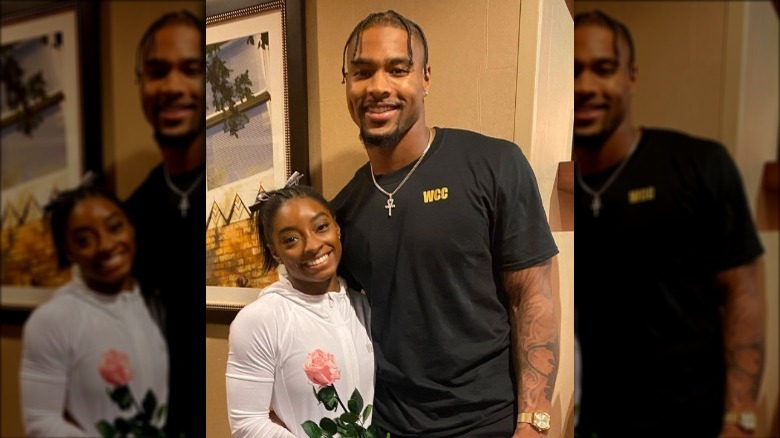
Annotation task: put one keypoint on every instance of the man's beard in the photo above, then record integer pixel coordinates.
(382, 141)
(597, 139)
(180, 141)
(592, 141)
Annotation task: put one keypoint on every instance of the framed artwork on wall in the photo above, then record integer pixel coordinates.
(256, 134)
(42, 114)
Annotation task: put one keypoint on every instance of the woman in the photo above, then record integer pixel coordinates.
(305, 332)
(94, 361)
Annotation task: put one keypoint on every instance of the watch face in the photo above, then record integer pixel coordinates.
(747, 421)
(541, 420)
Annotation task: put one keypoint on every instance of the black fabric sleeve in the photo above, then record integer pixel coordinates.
(735, 240)
(522, 236)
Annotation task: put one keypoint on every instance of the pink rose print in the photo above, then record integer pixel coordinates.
(115, 368)
(320, 368)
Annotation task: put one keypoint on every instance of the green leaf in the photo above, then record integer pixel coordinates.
(350, 431)
(349, 418)
(311, 429)
(373, 432)
(367, 412)
(138, 430)
(341, 427)
(106, 429)
(122, 397)
(355, 403)
(161, 412)
(328, 426)
(150, 402)
(122, 425)
(328, 397)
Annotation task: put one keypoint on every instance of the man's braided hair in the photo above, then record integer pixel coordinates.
(388, 18)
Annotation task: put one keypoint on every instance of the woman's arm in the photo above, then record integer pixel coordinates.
(43, 380)
(250, 377)
(248, 407)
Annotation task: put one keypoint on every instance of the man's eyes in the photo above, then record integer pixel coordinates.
(161, 71)
(193, 69)
(394, 71)
(604, 70)
(156, 72)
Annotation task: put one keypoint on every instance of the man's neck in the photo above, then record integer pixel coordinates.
(408, 149)
(178, 160)
(597, 157)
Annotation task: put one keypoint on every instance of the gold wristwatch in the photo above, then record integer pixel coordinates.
(746, 420)
(540, 420)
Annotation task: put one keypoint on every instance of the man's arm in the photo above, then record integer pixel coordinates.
(743, 338)
(535, 339)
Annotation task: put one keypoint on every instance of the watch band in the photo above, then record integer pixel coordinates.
(539, 420)
(525, 417)
(746, 420)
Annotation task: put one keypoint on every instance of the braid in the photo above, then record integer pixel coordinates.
(618, 29)
(388, 18)
(356, 33)
(179, 18)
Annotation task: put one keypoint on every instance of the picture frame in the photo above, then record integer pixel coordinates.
(256, 133)
(46, 146)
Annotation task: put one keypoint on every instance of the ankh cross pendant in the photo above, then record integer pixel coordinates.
(595, 205)
(390, 206)
(184, 205)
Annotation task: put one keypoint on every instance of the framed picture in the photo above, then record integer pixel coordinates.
(42, 114)
(256, 134)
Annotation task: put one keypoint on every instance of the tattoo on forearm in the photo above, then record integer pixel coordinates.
(537, 345)
(543, 361)
(745, 365)
(743, 335)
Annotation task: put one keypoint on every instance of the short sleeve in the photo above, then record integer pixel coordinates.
(734, 237)
(522, 236)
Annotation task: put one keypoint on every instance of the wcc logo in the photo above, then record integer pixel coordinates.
(434, 195)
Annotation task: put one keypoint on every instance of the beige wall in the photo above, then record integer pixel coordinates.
(713, 72)
(475, 84)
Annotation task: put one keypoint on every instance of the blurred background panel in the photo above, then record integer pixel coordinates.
(115, 138)
(711, 69)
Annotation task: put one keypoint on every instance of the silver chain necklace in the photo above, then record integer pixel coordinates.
(390, 205)
(184, 201)
(595, 204)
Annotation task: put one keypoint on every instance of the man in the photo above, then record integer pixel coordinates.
(445, 231)
(665, 236)
(167, 208)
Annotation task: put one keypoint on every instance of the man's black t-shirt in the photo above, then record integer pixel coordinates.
(432, 274)
(648, 314)
(170, 263)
